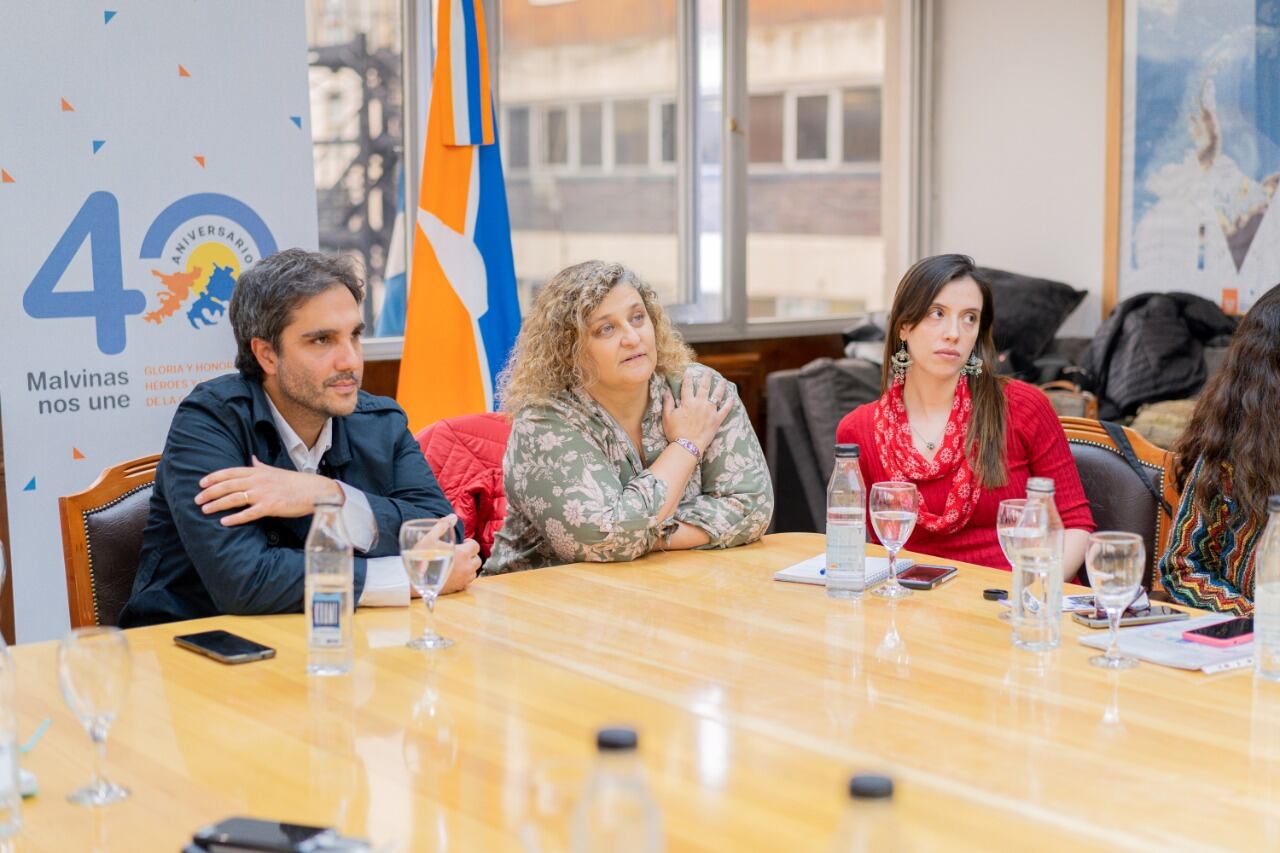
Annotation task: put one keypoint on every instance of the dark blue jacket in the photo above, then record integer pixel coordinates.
(191, 566)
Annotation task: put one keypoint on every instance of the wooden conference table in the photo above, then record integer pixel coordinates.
(755, 700)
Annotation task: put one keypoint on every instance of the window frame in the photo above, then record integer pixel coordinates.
(911, 39)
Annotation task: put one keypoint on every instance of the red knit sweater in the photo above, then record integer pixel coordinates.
(1037, 447)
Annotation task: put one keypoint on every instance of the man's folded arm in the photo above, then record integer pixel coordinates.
(415, 494)
(244, 573)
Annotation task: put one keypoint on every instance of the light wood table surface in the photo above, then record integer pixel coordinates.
(755, 700)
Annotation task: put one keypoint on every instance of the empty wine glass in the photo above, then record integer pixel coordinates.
(893, 515)
(94, 670)
(426, 548)
(1008, 517)
(1114, 562)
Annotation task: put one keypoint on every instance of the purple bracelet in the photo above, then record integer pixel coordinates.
(689, 446)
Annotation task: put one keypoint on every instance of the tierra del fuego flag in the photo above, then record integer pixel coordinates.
(463, 314)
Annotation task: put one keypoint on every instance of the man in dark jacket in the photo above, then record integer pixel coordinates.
(248, 455)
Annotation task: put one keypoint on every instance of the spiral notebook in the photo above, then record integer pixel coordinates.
(813, 570)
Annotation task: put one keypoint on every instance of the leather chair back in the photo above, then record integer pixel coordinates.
(1117, 498)
(102, 538)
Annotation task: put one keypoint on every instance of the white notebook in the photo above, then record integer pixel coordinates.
(813, 570)
(1163, 644)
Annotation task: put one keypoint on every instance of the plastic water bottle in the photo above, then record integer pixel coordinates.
(846, 526)
(1036, 605)
(617, 812)
(1266, 597)
(869, 824)
(10, 792)
(329, 597)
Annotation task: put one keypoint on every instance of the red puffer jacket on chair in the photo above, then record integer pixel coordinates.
(465, 454)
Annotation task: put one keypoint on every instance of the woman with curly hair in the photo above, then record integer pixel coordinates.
(1228, 464)
(619, 444)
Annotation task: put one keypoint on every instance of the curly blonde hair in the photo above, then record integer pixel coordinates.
(547, 357)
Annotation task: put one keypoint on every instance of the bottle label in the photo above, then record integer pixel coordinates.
(326, 619)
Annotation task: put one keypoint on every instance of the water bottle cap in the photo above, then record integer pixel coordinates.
(850, 450)
(616, 739)
(1273, 503)
(1040, 484)
(870, 786)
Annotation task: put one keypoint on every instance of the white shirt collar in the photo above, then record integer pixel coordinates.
(306, 460)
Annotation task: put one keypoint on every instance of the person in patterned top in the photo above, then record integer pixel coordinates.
(620, 445)
(1228, 464)
(967, 438)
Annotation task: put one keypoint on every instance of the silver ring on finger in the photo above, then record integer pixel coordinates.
(244, 496)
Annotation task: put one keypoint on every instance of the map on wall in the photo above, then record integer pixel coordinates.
(1201, 156)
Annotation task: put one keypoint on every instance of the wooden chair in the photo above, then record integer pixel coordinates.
(1118, 500)
(102, 537)
(1069, 400)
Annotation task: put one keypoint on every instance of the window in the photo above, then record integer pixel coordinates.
(555, 137)
(631, 133)
(516, 134)
(811, 127)
(590, 135)
(596, 167)
(599, 183)
(357, 98)
(669, 132)
(764, 144)
(813, 245)
(861, 109)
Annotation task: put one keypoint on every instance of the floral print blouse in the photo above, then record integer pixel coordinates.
(578, 490)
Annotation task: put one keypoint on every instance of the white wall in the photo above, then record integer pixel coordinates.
(1019, 139)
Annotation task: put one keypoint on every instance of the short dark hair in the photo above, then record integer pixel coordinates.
(266, 293)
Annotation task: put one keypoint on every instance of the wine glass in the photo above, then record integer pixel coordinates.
(426, 548)
(94, 669)
(893, 515)
(1008, 520)
(1114, 561)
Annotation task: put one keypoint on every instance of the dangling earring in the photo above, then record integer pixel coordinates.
(972, 367)
(901, 361)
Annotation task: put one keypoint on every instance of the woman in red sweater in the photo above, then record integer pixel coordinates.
(967, 438)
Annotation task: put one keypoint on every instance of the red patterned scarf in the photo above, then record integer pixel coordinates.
(903, 462)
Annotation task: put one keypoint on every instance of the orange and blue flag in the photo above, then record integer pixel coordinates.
(463, 313)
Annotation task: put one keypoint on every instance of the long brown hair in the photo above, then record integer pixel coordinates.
(985, 447)
(1237, 419)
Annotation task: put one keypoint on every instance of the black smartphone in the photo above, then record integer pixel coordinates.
(1150, 616)
(224, 646)
(246, 833)
(926, 576)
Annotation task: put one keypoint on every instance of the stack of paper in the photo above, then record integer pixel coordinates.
(1163, 644)
(813, 570)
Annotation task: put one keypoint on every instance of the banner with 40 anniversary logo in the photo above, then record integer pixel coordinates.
(149, 153)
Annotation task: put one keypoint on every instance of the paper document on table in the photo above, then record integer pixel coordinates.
(1070, 603)
(813, 570)
(1163, 644)
(385, 583)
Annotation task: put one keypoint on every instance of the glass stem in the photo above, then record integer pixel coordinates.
(430, 601)
(893, 567)
(99, 757)
(1113, 625)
